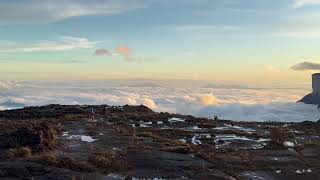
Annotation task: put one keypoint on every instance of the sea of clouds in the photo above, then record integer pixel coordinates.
(232, 103)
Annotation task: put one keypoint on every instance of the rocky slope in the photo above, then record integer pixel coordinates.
(133, 142)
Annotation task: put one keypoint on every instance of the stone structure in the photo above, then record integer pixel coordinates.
(316, 83)
(314, 97)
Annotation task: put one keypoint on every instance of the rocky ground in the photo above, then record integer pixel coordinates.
(133, 142)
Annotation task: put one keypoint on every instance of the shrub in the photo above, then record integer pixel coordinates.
(47, 158)
(108, 161)
(70, 117)
(70, 163)
(65, 162)
(22, 152)
(277, 135)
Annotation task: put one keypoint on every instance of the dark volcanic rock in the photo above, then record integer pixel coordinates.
(49, 111)
(312, 98)
(15, 170)
(37, 138)
(154, 148)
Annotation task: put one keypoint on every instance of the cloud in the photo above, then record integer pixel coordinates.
(9, 84)
(124, 51)
(233, 104)
(207, 99)
(102, 52)
(149, 103)
(288, 112)
(127, 54)
(301, 3)
(306, 66)
(46, 11)
(63, 44)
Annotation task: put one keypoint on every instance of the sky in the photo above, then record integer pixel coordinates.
(236, 41)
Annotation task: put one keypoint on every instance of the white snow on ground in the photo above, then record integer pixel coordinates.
(144, 126)
(278, 171)
(228, 126)
(88, 139)
(288, 144)
(173, 120)
(195, 128)
(255, 144)
(147, 123)
(231, 137)
(65, 133)
(303, 171)
(195, 141)
(83, 138)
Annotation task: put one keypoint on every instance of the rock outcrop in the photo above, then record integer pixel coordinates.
(312, 98)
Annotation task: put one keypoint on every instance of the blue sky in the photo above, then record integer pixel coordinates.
(225, 40)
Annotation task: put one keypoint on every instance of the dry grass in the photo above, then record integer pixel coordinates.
(22, 152)
(66, 162)
(71, 117)
(109, 161)
(277, 136)
(47, 158)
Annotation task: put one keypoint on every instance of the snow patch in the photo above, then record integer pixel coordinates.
(195, 141)
(173, 120)
(83, 138)
(288, 144)
(88, 139)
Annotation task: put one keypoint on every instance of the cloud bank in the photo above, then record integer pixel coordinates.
(306, 66)
(233, 104)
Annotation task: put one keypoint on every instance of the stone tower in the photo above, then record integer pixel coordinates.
(316, 83)
(314, 97)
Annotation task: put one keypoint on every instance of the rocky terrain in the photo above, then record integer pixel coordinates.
(133, 142)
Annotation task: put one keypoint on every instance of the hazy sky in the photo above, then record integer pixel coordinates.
(252, 41)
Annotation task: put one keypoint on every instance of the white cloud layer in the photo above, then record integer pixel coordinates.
(63, 44)
(227, 103)
(46, 11)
